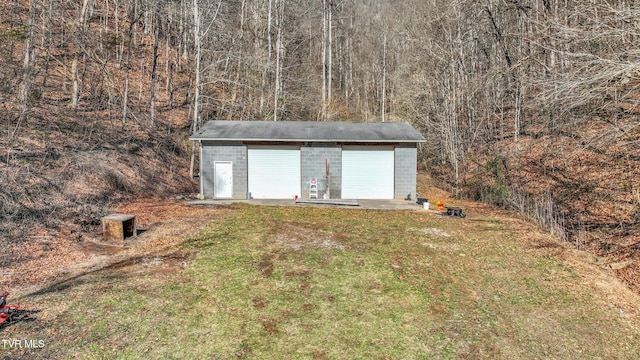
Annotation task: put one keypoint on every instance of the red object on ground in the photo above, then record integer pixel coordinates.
(6, 310)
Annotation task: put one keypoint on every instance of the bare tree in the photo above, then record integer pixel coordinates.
(325, 10)
(598, 59)
(127, 65)
(28, 57)
(280, 6)
(198, 34)
(154, 66)
(82, 24)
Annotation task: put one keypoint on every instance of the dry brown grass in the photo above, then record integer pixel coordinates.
(166, 223)
(580, 180)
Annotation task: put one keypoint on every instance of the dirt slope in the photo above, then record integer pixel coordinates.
(164, 225)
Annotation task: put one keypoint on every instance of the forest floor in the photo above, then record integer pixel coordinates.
(163, 225)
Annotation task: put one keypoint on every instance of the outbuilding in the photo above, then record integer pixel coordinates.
(307, 159)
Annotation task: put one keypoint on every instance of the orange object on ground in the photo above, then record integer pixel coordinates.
(440, 205)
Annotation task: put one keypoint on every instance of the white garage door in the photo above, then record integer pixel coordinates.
(367, 174)
(274, 173)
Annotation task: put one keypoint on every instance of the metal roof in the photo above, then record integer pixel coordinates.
(312, 131)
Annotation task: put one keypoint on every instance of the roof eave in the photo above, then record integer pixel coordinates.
(196, 138)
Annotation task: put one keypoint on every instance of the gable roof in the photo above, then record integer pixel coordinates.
(389, 132)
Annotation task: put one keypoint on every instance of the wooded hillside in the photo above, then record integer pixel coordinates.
(531, 104)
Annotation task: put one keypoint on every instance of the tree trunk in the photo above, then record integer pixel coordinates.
(329, 55)
(324, 60)
(279, 50)
(152, 86)
(82, 22)
(27, 61)
(76, 87)
(127, 66)
(196, 96)
(384, 78)
(269, 17)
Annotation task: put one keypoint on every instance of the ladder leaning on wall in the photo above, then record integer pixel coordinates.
(313, 188)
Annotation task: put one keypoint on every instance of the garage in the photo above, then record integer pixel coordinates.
(316, 160)
(273, 173)
(368, 173)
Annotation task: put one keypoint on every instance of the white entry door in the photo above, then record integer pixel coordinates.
(223, 179)
(367, 174)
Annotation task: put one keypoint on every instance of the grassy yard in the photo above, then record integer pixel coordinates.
(324, 283)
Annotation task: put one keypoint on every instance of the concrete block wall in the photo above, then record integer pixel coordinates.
(406, 160)
(234, 152)
(313, 159)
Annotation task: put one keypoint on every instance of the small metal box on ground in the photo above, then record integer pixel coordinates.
(117, 227)
(455, 211)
